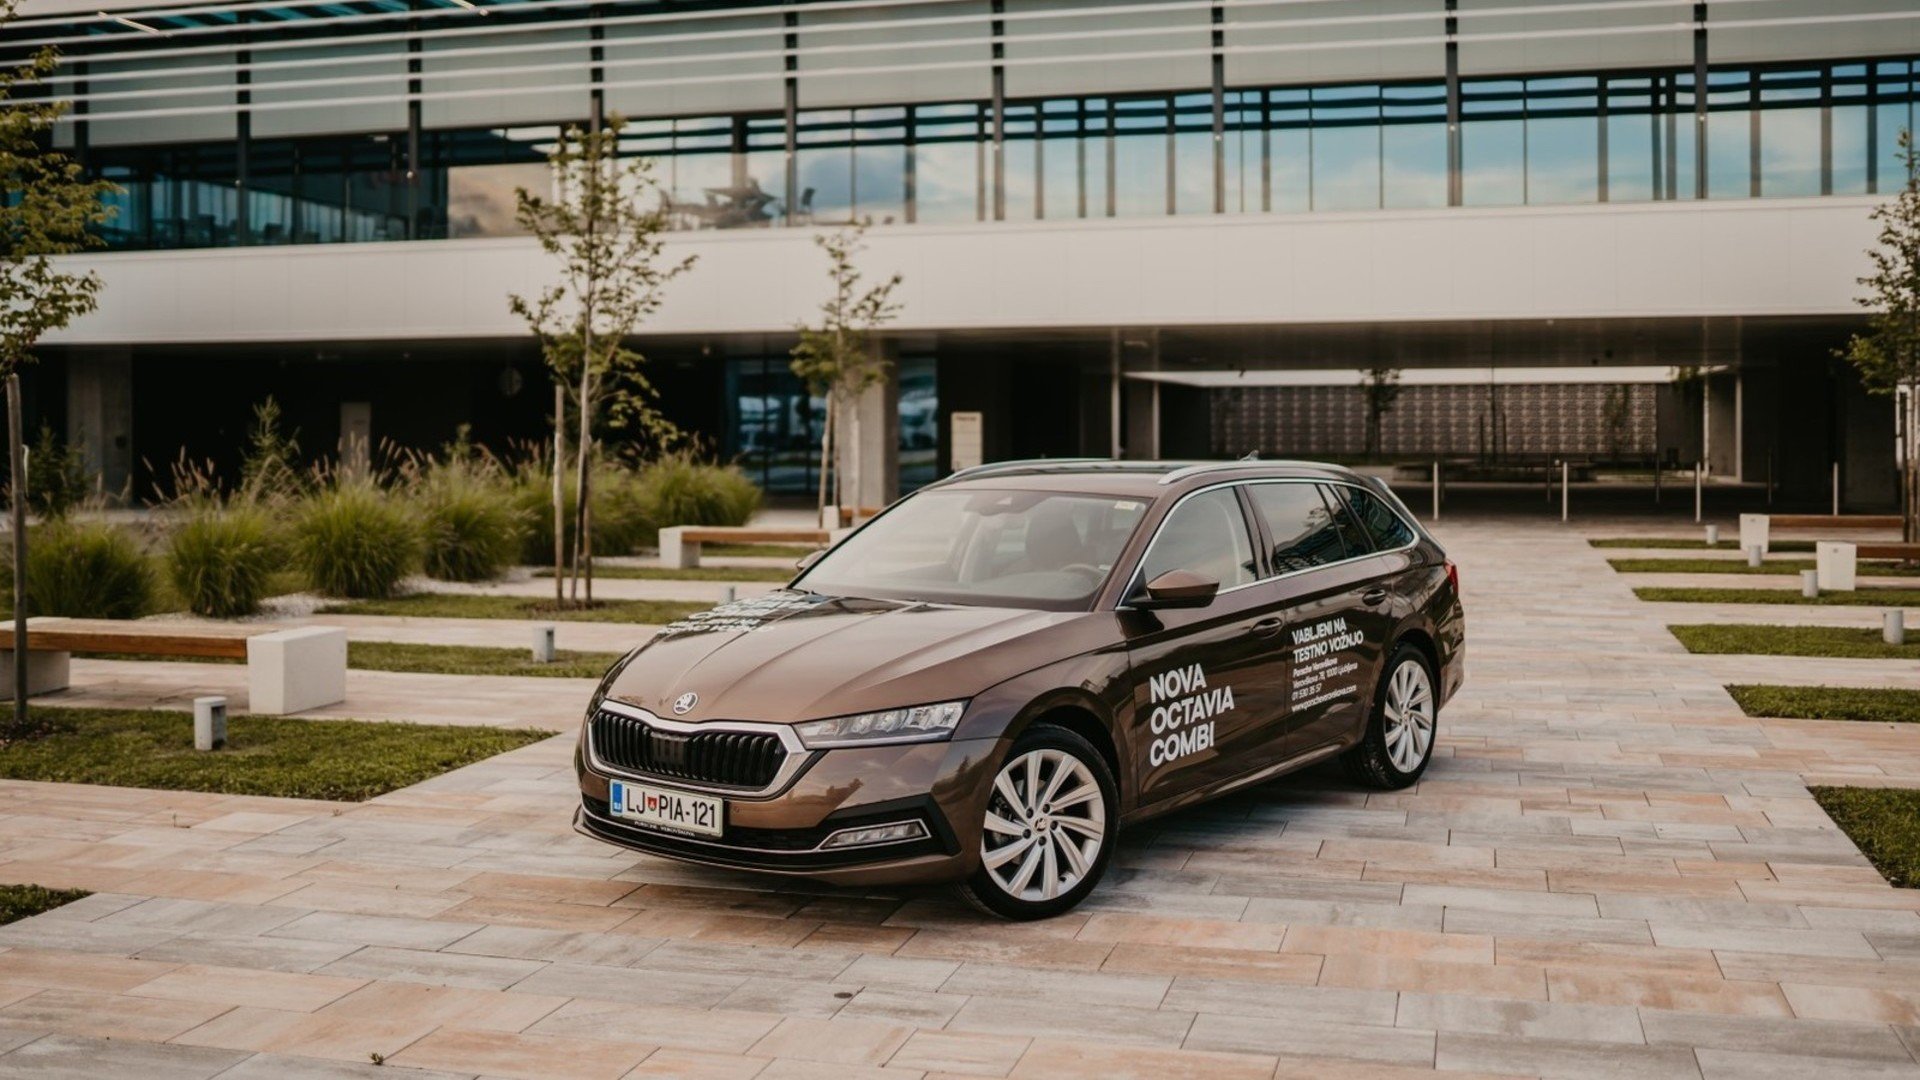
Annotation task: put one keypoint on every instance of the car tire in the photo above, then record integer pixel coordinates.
(1403, 725)
(1039, 859)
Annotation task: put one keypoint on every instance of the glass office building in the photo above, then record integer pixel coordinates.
(236, 130)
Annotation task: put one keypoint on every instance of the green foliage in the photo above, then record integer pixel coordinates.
(1884, 823)
(1380, 390)
(1875, 705)
(1833, 641)
(25, 901)
(270, 468)
(353, 539)
(88, 571)
(474, 660)
(680, 490)
(618, 528)
(1865, 597)
(837, 358)
(458, 606)
(265, 755)
(222, 559)
(57, 476)
(471, 526)
(766, 574)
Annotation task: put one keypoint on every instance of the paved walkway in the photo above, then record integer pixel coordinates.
(1609, 872)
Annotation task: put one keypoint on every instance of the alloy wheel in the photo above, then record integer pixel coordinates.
(1409, 715)
(1046, 821)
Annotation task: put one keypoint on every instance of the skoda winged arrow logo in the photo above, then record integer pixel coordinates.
(684, 704)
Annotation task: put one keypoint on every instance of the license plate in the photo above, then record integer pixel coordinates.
(664, 809)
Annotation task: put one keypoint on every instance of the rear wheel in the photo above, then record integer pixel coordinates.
(1049, 826)
(1400, 732)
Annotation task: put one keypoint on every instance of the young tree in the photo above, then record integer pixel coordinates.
(836, 359)
(49, 210)
(1887, 356)
(1381, 388)
(603, 222)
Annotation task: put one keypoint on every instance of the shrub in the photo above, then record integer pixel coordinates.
(88, 571)
(57, 476)
(620, 524)
(680, 490)
(352, 540)
(222, 559)
(471, 523)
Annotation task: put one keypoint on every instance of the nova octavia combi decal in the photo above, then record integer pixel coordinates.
(987, 682)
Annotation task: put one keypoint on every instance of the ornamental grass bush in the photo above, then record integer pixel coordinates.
(353, 539)
(680, 489)
(86, 570)
(472, 525)
(620, 524)
(222, 558)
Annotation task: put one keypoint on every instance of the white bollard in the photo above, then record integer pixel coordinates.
(1564, 484)
(729, 594)
(1755, 556)
(1810, 583)
(1436, 489)
(543, 650)
(209, 723)
(1893, 627)
(1699, 492)
(1836, 489)
(1837, 564)
(1713, 536)
(1756, 530)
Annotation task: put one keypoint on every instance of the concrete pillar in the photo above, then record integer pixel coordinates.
(868, 446)
(1723, 425)
(100, 414)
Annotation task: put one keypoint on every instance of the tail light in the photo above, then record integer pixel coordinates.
(1453, 576)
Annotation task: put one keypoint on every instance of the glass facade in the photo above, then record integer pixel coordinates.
(1567, 138)
(774, 426)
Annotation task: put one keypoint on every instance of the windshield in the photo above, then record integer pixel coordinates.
(1026, 549)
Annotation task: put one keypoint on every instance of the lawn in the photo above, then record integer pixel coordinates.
(25, 901)
(1876, 705)
(1755, 640)
(1661, 543)
(1739, 566)
(1884, 822)
(467, 606)
(347, 760)
(1901, 598)
(473, 660)
(693, 573)
(771, 551)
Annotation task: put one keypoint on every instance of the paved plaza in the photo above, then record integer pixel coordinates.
(1609, 871)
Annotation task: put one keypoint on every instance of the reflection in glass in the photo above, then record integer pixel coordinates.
(1894, 87)
(1493, 143)
(1413, 145)
(1729, 135)
(1346, 148)
(1140, 157)
(1563, 141)
(949, 154)
(1790, 122)
(1193, 154)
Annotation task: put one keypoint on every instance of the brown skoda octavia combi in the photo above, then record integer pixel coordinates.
(985, 682)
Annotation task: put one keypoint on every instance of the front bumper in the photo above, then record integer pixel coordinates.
(943, 785)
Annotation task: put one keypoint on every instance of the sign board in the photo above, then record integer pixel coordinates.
(965, 439)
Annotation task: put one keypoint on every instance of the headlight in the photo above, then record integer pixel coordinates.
(917, 723)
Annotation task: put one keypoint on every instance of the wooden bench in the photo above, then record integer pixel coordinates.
(680, 544)
(288, 671)
(1903, 552)
(1833, 521)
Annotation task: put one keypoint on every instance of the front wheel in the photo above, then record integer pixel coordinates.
(1048, 830)
(1400, 731)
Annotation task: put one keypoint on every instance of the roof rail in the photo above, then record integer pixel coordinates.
(1242, 463)
(1021, 463)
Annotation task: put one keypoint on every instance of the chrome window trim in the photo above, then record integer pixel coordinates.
(797, 753)
(1133, 579)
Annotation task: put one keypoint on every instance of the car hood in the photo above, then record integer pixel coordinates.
(793, 656)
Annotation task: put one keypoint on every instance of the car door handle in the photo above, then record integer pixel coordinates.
(1268, 627)
(1373, 597)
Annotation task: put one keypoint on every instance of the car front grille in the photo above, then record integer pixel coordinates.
(735, 759)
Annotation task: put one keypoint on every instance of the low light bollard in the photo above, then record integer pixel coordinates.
(1810, 583)
(1893, 627)
(210, 723)
(543, 651)
(1713, 536)
(728, 594)
(1755, 556)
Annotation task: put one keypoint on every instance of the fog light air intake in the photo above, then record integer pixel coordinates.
(869, 835)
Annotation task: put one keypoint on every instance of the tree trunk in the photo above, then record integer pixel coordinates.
(850, 492)
(559, 493)
(583, 540)
(826, 463)
(16, 490)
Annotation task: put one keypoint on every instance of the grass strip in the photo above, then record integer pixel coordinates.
(693, 573)
(1884, 823)
(469, 606)
(1657, 543)
(25, 901)
(1844, 642)
(1782, 567)
(1900, 598)
(1867, 705)
(349, 760)
(473, 660)
(771, 551)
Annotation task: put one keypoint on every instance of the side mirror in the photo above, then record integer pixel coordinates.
(1177, 589)
(808, 559)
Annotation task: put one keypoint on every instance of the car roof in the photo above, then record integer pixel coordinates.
(1136, 479)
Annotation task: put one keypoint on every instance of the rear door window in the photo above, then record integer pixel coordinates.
(1303, 526)
(1347, 524)
(1387, 528)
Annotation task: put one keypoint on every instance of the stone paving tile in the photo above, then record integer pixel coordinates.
(246, 986)
(1561, 1058)
(73, 1057)
(1310, 1037)
(968, 1053)
(529, 1057)
(432, 968)
(1057, 1058)
(1716, 1064)
(288, 1067)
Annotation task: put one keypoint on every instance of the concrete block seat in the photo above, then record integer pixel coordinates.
(680, 544)
(288, 671)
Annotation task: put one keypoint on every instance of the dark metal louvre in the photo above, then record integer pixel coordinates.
(742, 759)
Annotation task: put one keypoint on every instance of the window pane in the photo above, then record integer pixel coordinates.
(1346, 148)
(1302, 527)
(1790, 133)
(1386, 528)
(1140, 175)
(1193, 154)
(1413, 145)
(1493, 143)
(948, 163)
(1563, 141)
(1729, 136)
(1020, 163)
(1207, 534)
(1289, 153)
